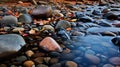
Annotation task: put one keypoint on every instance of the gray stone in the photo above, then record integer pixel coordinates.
(63, 24)
(90, 52)
(21, 59)
(108, 65)
(10, 43)
(41, 65)
(115, 60)
(9, 20)
(25, 18)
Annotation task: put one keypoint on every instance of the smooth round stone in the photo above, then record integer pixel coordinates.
(49, 44)
(77, 52)
(47, 59)
(63, 24)
(71, 64)
(57, 65)
(29, 53)
(90, 52)
(86, 19)
(110, 16)
(41, 65)
(78, 60)
(48, 27)
(115, 60)
(69, 56)
(66, 51)
(13, 66)
(17, 29)
(29, 63)
(77, 33)
(54, 60)
(92, 58)
(9, 20)
(39, 60)
(25, 18)
(21, 58)
(10, 43)
(42, 12)
(92, 66)
(108, 65)
(54, 54)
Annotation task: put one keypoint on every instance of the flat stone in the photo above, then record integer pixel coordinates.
(71, 64)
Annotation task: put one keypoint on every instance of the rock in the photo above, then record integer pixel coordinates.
(54, 60)
(63, 24)
(41, 65)
(25, 18)
(90, 52)
(92, 58)
(116, 41)
(42, 12)
(3, 65)
(49, 44)
(13, 66)
(78, 60)
(77, 33)
(29, 53)
(110, 16)
(57, 65)
(9, 20)
(17, 29)
(48, 27)
(96, 12)
(54, 54)
(106, 10)
(39, 60)
(71, 64)
(10, 43)
(40, 54)
(108, 65)
(77, 52)
(115, 60)
(47, 59)
(69, 56)
(66, 51)
(85, 19)
(21, 59)
(92, 66)
(28, 63)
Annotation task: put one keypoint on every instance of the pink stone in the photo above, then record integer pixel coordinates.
(49, 44)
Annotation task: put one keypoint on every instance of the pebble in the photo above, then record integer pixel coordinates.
(29, 63)
(57, 65)
(21, 59)
(49, 44)
(25, 18)
(115, 60)
(54, 60)
(108, 65)
(90, 52)
(92, 58)
(41, 65)
(9, 20)
(47, 59)
(29, 53)
(71, 64)
(39, 60)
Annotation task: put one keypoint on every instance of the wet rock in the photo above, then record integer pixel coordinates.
(29, 53)
(39, 60)
(92, 58)
(110, 16)
(10, 43)
(116, 41)
(48, 27)
(77, 52)
(92, 66)
(54, 54)
(115, 60)
(108, 65)
(106, 10)
(57, 65)
(17, 29)
(69, 56)
(9, 20)
(21, 59)
(49, 44)
(78, 60)
(54, 60)
(96, 12)
(25, 18)
(91, 52)
(77, 33)
(40, 54)
(71, 64)
(41, 12)
(63, 24)
(85, 19)
(13, 66)
(66, 51)
(41, 65)
(28, 63)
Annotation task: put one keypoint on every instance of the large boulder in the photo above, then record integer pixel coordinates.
(10, 43)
